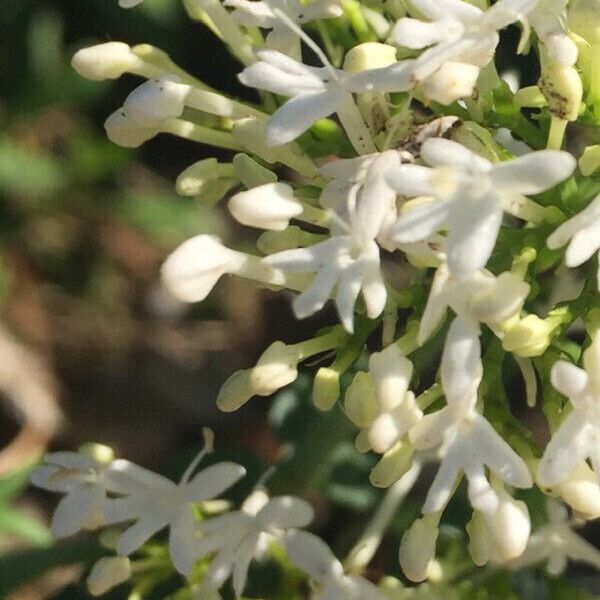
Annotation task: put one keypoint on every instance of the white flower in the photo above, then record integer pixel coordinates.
(548, 20)
(129, 3)
(471, 195)
(316, 92)
(417, 548)
(582, 232)
(83, 482)
(311, 554)
(481, 298)
(259, 13)
(238, 537)
(467, 442)
(556, 543)
(156, 502)
(349, 260)
(390, 410)
(269, 206)
(461, 39)
(578, 437)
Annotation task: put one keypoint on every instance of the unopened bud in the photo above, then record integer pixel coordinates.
(105, 61)
(108, 573)
(581, 491)
(391, 372)
(370, 55)
(562, 87)
(124, 132)
(394, 464)
(528, 337)
(326, 388)
(276, 368)
(269, 206)
(193, 269)
(202, 175)
(360, 402)
(235, 392)
(417, 548)
(452, 81)
(589, 163)
(251, 173)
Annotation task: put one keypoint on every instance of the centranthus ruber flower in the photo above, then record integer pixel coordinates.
(578, 437)
(469, 197)
(582, 233)
(460, 39)
(260, 13)
(349, 260)
(466, 440)
(156, 502)
(312, 555)
(236, 538)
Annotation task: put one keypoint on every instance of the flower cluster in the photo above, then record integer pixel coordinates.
(406, 152)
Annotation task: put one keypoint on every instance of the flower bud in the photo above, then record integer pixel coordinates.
(129, 3)
(452, 81)
(197, 178)
(581, 491)
(393, 465)
(271, 242)
(326, 388)
(360, 402)
(235, 392)
(370, 55)
(528, 337)
(103, 455)
(105, 61)
(193, 269)
(276, 368)
(479, 540)
(584, 20)
(157, 100)
(108, 573)
(269, 206)
(417, 548)
(562, 87)
(508, 527)
(252, 173)
(589, 163)
(391, 372)
(124, 132)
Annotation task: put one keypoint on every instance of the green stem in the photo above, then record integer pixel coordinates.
(200, 134)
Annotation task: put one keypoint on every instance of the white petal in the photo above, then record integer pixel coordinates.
(443, 484)
(583, 245)
(493, 451)
(568, 379)
(156, 100)
(502, 300)
(258, 14)
(442, 10)
(439, 152)
(474, 228)
(533, 173)
(316, 295)
(412, 180)
(431, 430)
(213, 481)
(117, 510)
(244, 556)
(461, 368)
(182, 542)
(481, 495)
(298, 114)
(74, 510)
(437, 56)
(412, 33)
(348, 288)
(321, 9)
(437, 305)
(70, 460)
(312, 555)
(373, 290)
(45, 477)
(590, 215)
(569, 446)
(220, 568)
(284, 40)
(420, 222)
(284, 512)
(452, 81)
(137, 535)
(505, 12)
(124, 477)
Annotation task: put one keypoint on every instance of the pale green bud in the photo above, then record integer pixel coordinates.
(589, 163)
(563, 89)
(528, 337)
(276, 368)
(361, 402)
(235, 392)
(393, 465)
(101, 454)
(417, 548)
(106, 61)
(581, 491)
(370, 55)
(108, 573)
(326, 388)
